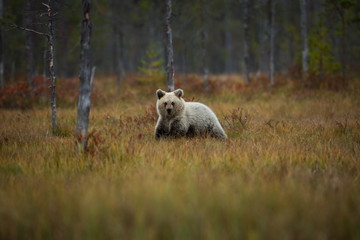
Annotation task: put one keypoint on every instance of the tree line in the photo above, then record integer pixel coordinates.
(218, 36)
(209, 37)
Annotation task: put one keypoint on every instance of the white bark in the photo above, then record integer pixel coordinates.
(50, 36)
(169, 48)
(203, 45)
(86, 76)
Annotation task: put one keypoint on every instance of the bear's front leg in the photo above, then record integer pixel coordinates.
(161, 130)
(177, 129)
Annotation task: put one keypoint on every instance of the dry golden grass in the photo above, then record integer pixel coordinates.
(290, 170)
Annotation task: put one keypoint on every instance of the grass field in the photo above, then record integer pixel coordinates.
(290, 169)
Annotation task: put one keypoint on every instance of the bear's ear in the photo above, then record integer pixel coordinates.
(179, 93)
(160, 93)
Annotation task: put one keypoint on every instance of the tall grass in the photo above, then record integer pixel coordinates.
(290, 170)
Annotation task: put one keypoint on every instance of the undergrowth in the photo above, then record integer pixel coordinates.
(289, 170)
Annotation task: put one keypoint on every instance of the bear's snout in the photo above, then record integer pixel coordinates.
(168, 110)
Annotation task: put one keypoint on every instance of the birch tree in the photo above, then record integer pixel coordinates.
(169, 48)
(50, 37)
(246, 40)
(304, 36)
(85, 76)
(203, 44)
(50, 40)
(228, 38)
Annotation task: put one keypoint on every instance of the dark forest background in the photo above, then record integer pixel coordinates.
(128, 36)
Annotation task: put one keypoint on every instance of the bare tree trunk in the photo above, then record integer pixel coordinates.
(50, 37)
(228, 39)
(203, 46)
(85, 76)
(246, 41)
(2, 81)
(204, 59)
(169, 48)
(118, 41)
(304, 36)
(272, 41)
(30, 43)
(119, 48)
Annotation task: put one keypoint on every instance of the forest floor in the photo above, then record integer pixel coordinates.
(289, 170)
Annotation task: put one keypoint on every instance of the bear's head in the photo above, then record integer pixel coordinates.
(170, 104)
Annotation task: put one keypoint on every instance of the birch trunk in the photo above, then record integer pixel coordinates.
(85, 76)
(204, 59)
(304, 36)
(272, 41)
(246, 41)
(119, 48)
(169, 48)
(203, 46)
(228, 39)
(50, 37)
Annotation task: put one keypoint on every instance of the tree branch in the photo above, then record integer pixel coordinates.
(30, 30)
(46, 5)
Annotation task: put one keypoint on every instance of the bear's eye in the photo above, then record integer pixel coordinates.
(172, 103)
(164, 104)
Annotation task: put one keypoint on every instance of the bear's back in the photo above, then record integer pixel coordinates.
(200, 115)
